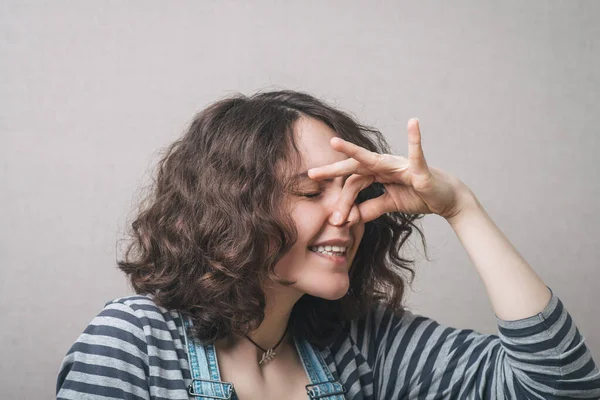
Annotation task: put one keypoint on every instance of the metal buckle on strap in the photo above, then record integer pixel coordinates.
(325, 389)
(228, 389)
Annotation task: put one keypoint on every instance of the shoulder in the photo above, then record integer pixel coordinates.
(382, 317)
(137, 302)
(132, 324)
(139, 315)
(128, 342)
(366, 333)
(124, 352)
(140, 310)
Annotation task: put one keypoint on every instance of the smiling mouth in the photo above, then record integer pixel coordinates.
(336, 256)
(330, 250)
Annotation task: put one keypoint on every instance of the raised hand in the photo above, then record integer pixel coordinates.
(411, 186)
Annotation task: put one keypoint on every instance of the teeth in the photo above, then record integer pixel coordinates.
(329, 249)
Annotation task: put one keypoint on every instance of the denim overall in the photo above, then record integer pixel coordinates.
(207, 384)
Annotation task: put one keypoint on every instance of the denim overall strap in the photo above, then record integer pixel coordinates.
(206, 381)
(322, 384)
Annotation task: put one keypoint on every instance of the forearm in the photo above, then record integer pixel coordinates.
(513, 287)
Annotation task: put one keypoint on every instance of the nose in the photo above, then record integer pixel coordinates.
(353, 217)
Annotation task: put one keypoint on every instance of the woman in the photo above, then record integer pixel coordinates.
(274, 234)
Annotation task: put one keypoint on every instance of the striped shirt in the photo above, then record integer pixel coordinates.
(134, 349)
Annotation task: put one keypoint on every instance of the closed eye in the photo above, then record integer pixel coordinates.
(312, 195)
(359, 198)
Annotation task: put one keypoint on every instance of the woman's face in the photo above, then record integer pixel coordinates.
(317, 274)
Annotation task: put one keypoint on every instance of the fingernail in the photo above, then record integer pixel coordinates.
(337, 217)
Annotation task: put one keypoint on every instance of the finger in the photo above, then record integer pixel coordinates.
(368, 158)
(373, 208)
(341, 168)
(352, 187)
(354, 216)
(416, 158)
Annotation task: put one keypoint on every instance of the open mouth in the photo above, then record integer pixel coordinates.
(337, 251)
(334, 254)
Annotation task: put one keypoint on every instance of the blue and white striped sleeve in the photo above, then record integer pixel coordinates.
(108, 360)
(540, 357)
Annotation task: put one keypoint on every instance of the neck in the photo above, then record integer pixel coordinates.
(279, 303)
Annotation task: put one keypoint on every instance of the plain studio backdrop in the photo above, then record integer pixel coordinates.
(507, 95)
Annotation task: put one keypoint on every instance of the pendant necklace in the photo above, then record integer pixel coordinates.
(268, 354)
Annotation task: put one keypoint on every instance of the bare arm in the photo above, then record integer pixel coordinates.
(514, 289)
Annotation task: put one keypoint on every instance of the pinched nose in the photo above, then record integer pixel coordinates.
(353, 217)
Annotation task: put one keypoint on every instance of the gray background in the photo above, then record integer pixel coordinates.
(507, 95)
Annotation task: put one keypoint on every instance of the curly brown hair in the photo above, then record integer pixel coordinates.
(215, 223)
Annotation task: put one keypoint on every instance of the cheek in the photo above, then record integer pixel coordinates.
(309, 220)
(358, 230)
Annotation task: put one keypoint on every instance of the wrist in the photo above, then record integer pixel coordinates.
(466, 204)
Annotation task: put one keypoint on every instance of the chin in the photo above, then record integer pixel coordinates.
(332, 296)
(333, 291)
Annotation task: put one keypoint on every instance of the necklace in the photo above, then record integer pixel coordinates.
(268, 354)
